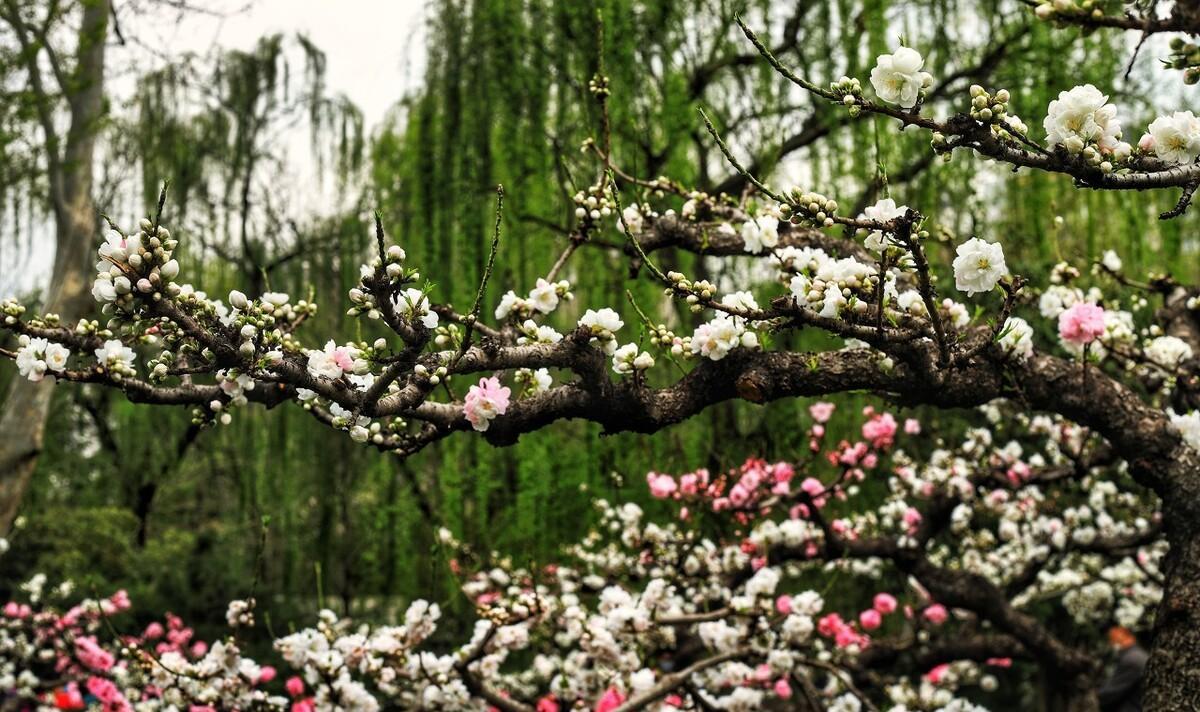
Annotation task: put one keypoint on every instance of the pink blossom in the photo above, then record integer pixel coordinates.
(547, 704)
(154, 631)
(936, 614)
(847, 636)
(829, 624)
(305, 705)
(689, 483)
(294, 686)
(266, 674)
(1000, 662)
(912, 426)
(1082, 323)
(199, 648)
(821, 411)
(783, 604)
(108, 694)
(880, 430)
(912, 519)
(935, 675)
(885, 603)
(92, 655)
(870, 619)
(812, 486)
(484, 402)
(661, 486)
(610, 700)
(782, 688)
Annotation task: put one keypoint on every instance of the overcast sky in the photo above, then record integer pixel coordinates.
(373, 46)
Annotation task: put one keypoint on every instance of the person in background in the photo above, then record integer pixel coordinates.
(1122, 692)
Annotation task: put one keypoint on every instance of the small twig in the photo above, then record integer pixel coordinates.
(469, 321)
(738, 166)
(1185, 199)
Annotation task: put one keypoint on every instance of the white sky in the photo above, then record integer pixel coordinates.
(374, 47)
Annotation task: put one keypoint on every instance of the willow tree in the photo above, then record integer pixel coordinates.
(505, 100)
(220, 127)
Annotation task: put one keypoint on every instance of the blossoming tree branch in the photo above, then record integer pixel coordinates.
(976, 535)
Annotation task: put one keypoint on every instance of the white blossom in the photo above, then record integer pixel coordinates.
(898, 78)
(1175, 138)
(37, 356)
(883, 211)
(1017, 337)
(759, 233)
(1080, 117)
(979, 266)
(1168, 351)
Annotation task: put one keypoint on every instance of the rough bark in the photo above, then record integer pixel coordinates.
(23, 420)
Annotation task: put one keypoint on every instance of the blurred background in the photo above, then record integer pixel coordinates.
(280, 126)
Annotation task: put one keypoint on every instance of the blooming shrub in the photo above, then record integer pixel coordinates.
(720, 603)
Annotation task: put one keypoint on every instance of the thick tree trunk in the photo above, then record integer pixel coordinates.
(23, 420)
(1173, 673)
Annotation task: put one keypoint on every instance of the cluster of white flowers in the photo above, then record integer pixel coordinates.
(139, 261)
(760, 233)
(592, 204)
(596, 623)
(240, 613)
(715, 338)
(603, 326)
(1168, 352)
(629, 358)
(883, 211)
(116, 357)
(38, 356)
(825, 284)
(1174, 139)
(1082, 118)
(543, 299)
(898, 77)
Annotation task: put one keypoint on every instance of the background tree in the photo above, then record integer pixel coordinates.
(53, 86)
